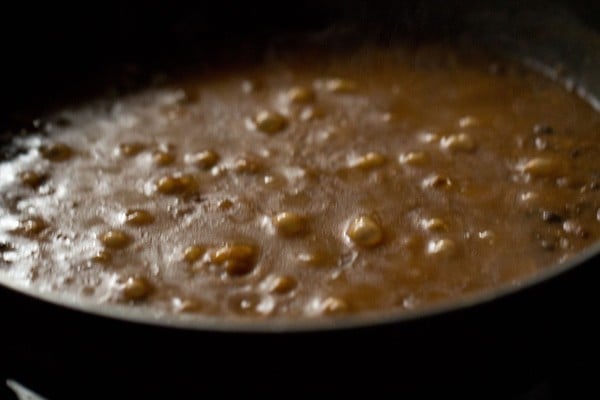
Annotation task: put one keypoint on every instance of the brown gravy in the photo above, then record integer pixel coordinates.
(307, 185)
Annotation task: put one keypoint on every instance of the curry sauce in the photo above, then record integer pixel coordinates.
(307, 185)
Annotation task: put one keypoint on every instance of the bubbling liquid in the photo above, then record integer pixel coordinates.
(302, 186)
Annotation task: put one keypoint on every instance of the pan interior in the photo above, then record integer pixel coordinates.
(348, 133)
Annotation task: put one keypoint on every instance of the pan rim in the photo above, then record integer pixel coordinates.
(153, 318)
(146, 316)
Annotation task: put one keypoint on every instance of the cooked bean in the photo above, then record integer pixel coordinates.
(102, 257)
(163, 158)
(242, 252)
(193, 253)
(340, 85)
(237, 267)
(368, 161)
(248, 164)
(187, 183)
(434, 224)
(413, 158)
(115, 239)
(131, 149)
(334, 305)
(270, 121)
(551, 217)
(300, 94)
(317, 258)
(225, 205)
(56, 152)
(176, 184)
(168, 185)
(138, 217)
(442, 246)
(31, 178)
(136, 288)
(309, 113)
(237, 259)
(437, 182)
(32, 226)
(541, 167)
(365, 231)
(458, 142)
(289, 223)
(186, 305)
(203, 159)
(282, 284)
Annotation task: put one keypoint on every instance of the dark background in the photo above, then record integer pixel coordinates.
(46, 47)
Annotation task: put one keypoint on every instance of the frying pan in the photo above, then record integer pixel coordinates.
(495, 344)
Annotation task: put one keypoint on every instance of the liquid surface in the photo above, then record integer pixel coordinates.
(306, 185)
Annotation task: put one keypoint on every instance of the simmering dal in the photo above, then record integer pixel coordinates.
(306, 184)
